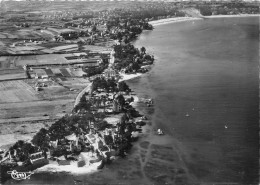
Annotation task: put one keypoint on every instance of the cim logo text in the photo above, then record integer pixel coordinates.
(20, 175)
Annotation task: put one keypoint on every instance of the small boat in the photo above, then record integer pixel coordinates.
(160, 132)
(101, 165)
(187, 115)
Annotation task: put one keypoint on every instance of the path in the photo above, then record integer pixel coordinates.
(112, 57)
(87, 89)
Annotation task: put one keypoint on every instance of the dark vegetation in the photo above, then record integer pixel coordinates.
(131, 59)
(228, 9)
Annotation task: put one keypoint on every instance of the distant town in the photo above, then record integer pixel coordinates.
(63, 68)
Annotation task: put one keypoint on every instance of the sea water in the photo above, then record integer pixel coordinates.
(205, 83)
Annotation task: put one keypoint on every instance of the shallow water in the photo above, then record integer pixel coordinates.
(205, 86)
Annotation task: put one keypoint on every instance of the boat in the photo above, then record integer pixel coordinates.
(101, 164)
(160, 132)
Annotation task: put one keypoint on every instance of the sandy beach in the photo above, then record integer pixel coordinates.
(125, 77)
(71, 169)
(172, 20)
(240, 15)
(181, 19)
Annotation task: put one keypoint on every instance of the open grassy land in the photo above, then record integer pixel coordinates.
(16, 91)
(34, 7)
(24, 110)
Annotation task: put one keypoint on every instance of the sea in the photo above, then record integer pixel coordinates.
(205, 84)
(205, 87)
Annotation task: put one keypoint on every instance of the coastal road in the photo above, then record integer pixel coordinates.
(87, 89)
(112, 57)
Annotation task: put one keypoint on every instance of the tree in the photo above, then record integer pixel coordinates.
(94, 28)
(135, 66)
(82, 105)
(205, 10)
(143, 50)
(102, 125)
(122, 86)
(149, 57)
(121, 100)
(27, 73)
(124, 118)
(80, 45)
(83, 98)
(99, 83)
(41, 139)
(111, 83)
(119, 36)
(28, 149)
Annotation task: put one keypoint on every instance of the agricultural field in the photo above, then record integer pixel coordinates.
(17, 76)
(16, 91)
(20, 103)
(95, 48)
(7, 73)
(24, 111)
(12, 62)
(75, 83)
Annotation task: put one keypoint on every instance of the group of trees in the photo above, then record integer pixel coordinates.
(125, 129)
(130, 58)
(78, 123)
(227, 9)
(122, 86)
(91, 71)
(109, 85)
(102, 83)
(23, 150)
(70, 35)
(83, 104)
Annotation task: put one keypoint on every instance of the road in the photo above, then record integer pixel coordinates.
(87, 89)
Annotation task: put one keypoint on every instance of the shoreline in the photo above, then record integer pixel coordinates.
(72, 169)
(182, 19)
(125, 77)
(172, 20)
(227, 16)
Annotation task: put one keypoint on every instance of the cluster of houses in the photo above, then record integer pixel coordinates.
(84, 148)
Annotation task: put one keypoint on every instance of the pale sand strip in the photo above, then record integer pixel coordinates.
(182, 19)
(125, 77)
(240, 15)
(172, 20)
(71, 169)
